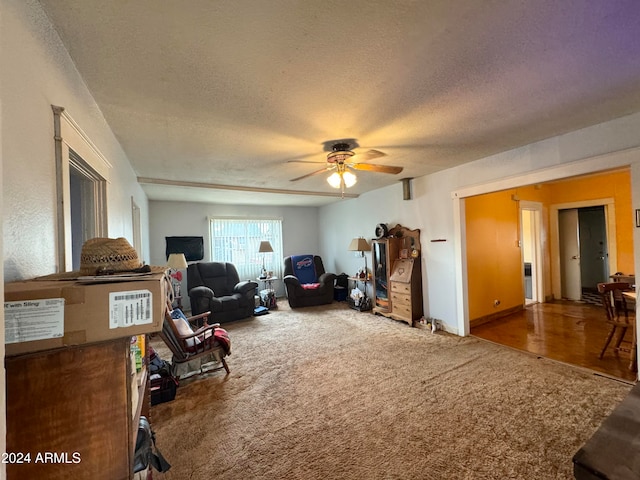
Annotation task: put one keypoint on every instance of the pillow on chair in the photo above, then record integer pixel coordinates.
(184, 328)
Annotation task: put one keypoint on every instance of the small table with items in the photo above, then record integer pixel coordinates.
(268, 293)
(363, 303)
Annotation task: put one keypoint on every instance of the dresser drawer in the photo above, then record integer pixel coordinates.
(402, 310)
(398, 299)
(401, 287)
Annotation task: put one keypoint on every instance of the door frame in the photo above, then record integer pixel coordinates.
(537, 265)
(554, 237)
(68, 136)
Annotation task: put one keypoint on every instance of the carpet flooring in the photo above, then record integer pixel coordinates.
(332, 393)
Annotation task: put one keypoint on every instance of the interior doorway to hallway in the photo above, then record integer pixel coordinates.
(585, 246)
(612, 194)
(531, 237)
(583, 251)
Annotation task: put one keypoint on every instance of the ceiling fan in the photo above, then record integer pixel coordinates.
(341, 160)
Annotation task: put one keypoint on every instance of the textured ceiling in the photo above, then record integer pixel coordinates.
(211, 93)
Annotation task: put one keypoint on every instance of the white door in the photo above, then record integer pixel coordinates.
(568, 229)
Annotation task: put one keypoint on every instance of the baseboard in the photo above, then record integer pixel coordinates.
(489, 318)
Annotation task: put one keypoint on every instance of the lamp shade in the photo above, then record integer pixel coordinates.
(177, 261)
(265, 247)
(359, 245)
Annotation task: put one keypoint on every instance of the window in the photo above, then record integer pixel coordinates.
(237, 241)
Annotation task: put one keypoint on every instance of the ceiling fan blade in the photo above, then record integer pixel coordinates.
(304, 161)
(369, 167)
(368, 155)
(322, 170)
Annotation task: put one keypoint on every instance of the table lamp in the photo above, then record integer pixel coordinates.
(265, 247)
(177, 262)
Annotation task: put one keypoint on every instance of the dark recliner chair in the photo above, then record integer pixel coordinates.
(306, 282)
(216, 287)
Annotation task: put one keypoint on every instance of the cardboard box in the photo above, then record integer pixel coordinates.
(92, 312)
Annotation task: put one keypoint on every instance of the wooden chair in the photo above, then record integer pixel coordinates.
(618, 316)
(192, 350)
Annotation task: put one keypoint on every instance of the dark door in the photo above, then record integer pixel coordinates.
(594, 256)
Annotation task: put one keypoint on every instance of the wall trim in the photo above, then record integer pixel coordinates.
(587, 165)
(494, 316)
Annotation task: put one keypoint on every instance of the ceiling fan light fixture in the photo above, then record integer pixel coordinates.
(349, 179)
(334, 180)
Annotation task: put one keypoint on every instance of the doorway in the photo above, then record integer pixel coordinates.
(583, 251)
(87, 190)
(585, 242)
(531, 234)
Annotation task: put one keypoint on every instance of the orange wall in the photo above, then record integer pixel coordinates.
(494, 270)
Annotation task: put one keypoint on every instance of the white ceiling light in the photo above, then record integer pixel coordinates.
(342, 178)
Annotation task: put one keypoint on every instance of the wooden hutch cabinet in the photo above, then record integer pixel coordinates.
(397, 275)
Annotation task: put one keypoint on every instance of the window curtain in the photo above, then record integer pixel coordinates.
(237, 240)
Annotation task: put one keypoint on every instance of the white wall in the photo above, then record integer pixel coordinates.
(166, 219)
(440, 216)
(37, 73)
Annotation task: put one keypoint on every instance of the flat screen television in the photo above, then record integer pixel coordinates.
(192, 247)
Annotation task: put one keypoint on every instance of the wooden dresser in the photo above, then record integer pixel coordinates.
(398, 275)
(406, 290)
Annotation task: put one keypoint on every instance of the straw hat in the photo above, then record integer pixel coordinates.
(108, 255)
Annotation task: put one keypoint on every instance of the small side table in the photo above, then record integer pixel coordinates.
(268, 293)
(365, 301)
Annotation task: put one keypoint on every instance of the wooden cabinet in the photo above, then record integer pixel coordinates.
(406, 290)
(397, 275)
(75, 411)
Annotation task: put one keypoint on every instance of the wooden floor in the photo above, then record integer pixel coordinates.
(570, 332)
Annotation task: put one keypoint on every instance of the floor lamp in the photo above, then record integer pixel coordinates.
(265, 247)
(360, 245)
